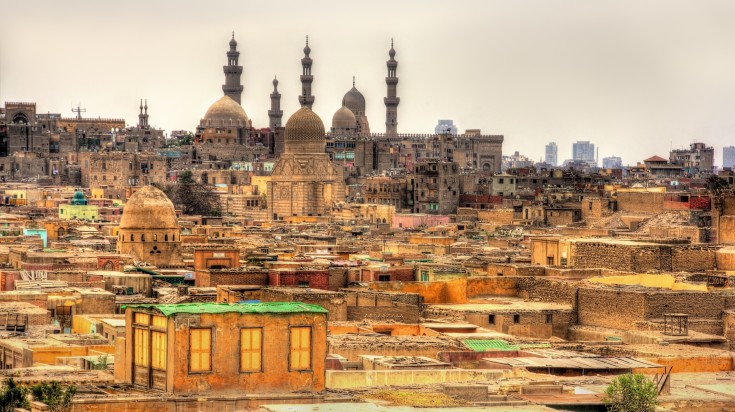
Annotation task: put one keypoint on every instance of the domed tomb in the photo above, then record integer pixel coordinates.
(344, 121)
(304, 132)
(148, 228)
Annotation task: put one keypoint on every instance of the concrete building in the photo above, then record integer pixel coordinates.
(728, 156)
(436, 187)
(445, 126)
(584, 151)
(551, 154)
(698, 159)
(612, 162)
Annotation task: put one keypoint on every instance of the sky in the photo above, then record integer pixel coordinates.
(636, 78)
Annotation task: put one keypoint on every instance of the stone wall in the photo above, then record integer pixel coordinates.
(609, 308)
(334, 302)
(392, 307)
(641, 258)
(652, 202)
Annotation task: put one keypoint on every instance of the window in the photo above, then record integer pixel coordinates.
(140, 346)
(516, 319)
(300, 353)
(491, 319)
(200, 350)
(251, 352)
(549, 318)
(158, 351)
(383, 278)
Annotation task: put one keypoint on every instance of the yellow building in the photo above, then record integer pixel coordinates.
(78, 209)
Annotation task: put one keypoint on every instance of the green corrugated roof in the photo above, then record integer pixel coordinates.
(482, 345)
(263, 307)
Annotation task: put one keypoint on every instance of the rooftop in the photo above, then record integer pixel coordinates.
(211, 308)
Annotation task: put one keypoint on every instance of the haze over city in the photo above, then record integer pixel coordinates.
(634, 78)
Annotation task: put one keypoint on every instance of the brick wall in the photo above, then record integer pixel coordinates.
(334, 302)
(643, 258)
(641, 201)
(610, 308)
(315, 279)
(212, 278)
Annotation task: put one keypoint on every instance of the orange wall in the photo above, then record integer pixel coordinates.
(450, 291)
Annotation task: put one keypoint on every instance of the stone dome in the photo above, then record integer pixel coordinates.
(344, 119)
(304, 132)
(355, 101)
(225, 112)
(149, 208)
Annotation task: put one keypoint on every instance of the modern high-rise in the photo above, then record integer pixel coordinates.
(728, 156)
(612, 162)
(584, 151)
(551, 154)
(445, 126)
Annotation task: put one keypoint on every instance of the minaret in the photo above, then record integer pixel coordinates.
(391, 102)
(143, 116)
(306, 99)
(232, 86)
(275, 113)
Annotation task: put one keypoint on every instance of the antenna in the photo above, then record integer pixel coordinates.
(78, 110)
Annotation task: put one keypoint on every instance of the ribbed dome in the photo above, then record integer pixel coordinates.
(355, 101)
(304, 132)
(344, 119)
(149, 208)
(225, 112)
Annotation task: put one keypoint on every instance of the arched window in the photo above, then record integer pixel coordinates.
(155, 237)
(142, 237)
(132, 237)
(165, 237)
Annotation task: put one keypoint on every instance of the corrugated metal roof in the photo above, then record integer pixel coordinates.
(263, 307)
(598, 363)
(483, 345)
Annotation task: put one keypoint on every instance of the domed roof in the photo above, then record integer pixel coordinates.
(148, 208)
(344, 119)
(79, 198)
(354, 100)
(304, 125)
(225, 112)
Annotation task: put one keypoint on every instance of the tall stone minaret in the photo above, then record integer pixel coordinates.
(275, 113)
(391, 101)
(232, 86)
(306, 99)
(143, 116)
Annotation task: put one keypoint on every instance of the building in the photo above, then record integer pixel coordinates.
(612, 162)
(698, 159)
(149, 230)
(436, 187)
(218, 348)
(445, 127)
(77, 208)
(584, 151)
(551, 154)
(304, 181)
(728, 156)
(503, 184)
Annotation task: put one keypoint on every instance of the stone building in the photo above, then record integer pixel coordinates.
(121, 169)
(436, 187)
(149, 230)
(304, 181)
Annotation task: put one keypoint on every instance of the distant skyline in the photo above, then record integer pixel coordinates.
(634, 78)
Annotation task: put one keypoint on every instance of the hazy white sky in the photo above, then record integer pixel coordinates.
(635, 77)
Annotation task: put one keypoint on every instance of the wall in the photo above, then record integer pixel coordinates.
(212, 278)
(609, 308)
(451, 291)
(652, 202)
(334, 302)
(376, 306)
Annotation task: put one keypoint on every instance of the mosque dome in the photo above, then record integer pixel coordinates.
(225, 112)
(304, 132)
(149, 208)
(355, 101)
(344, 119)
(79, 198)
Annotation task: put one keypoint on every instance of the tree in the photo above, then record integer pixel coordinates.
(716, 184)
(631, 393)
(195, 198)
(57, 398)
(13, 396)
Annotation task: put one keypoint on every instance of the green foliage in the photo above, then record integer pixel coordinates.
(195, 198)
(54, 395)
(13, 396)
(631, 393)
(716, 185)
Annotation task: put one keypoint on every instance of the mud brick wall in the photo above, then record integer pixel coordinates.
(548, 290)
(335, 303)
(641, 202)
(38, 299)
(96, 303)
(389, 307)
(601, 255)
(316, 279)
(610, 308)
(693, 258)
(695, 304)
(337, 278)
